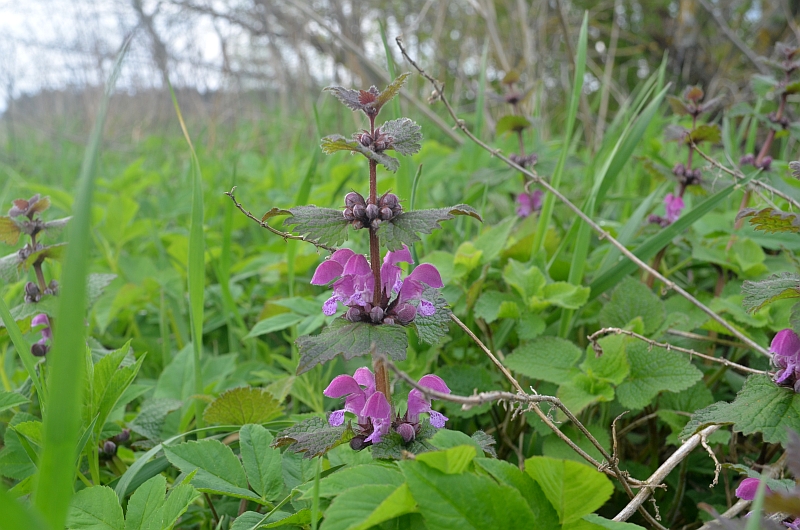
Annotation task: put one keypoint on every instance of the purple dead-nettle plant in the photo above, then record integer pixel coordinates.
(785, 348)
(378, 302)
(42, 346)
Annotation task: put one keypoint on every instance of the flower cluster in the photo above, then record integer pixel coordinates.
(362, 213)
(673, 205)
(354, 287)
(785, 348)
(42, 346)
(374, 413)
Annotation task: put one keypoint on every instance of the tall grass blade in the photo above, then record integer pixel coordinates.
(66, 361)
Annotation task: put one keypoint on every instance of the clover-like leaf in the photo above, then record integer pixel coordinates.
(9, 231)
(324, 225)
(406, 135)
(313, 437)
(776, 287)
(337, 142)
(511, 123)
(771, 220)
(705, 133)
(403, 229)
(243, 405)
(351, 339)
(432, 328)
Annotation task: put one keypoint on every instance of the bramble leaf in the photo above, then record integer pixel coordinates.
(324, 225)
(261, 463)
(432, 328)
(406, 135)
(337, 142)
(351, 339)
(9, 231)
(404, 228)
(776, 287)
(760, 406)
(771, 220)
(511, 123)
(313, 437)
(243, 405)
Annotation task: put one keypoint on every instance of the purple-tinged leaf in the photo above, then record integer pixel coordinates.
(49, 252)
(403, 229)
(776, 287)
(391, 91)
(9, 231)
(274, 213)
(349, 97)
(771, 220)
(351, 339)
(406, 135)
(337, 142)
(392, 446)
(678, 106)
(675, 133)
(313, 437)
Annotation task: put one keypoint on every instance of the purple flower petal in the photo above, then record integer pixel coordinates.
(426, 308)
(673, 204)
(427, 274)
(365, 378)
(437, 419)
(390, 278)
(785, 344)
(342, 385)
(357, 265)
(747, 489)
(327, 271)
(330, 306)
(417, 403)
(434, 382)
(342, 255)
(377, 408)
(41, 319)
(397, 256)
(405, 313)
(406, 430)
(336, 418)
(524, 206)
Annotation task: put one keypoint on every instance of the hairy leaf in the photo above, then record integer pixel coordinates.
(337, 142)
(760, 406)
(313, 437)
(218, 469)
(705, 133)
(349, 97)
(391, 91)
(152, 416)
(511, 123)
(771, 220)
(677, 105)
(432, 328)
(404, 228)
(547, 358)
(776, 287)
(9, 231)
(324, 225)
(653, 370)
(243, 405)
(406, 135)
(631, 299)
(392, 446)
(486, 441)
(351, 339)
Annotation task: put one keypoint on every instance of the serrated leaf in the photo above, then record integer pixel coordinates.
(391, 91)
(404, 228)
(777, 287)
(313, 437)
(486, 441)
(653, 370)
(705, 133)
(566, 295)
(677, 105)
(528, 281)
(9, 231)
(337, 142)
(432, 328)
(178, 501)
(507, 473)
(795, 167)
(771, 220)
(324, 225)
(152, 416)
(243, 405)
(364, 507)
(760, 406)
(546, 358)
(406, 135)
(512, 123)
(11, 399)
(218, 469)
(146, 505)
(351, 339)
(632, 299)
(261, 462)
(464, 379)
(490, 305)
(49, 252)
(392, 446)
(445, 439)
(95, 508)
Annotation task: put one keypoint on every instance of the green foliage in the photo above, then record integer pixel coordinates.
(404, 229)
(777, 287)
(313, 437)
(243, 405)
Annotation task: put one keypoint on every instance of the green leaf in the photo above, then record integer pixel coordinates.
(95, 508)
(494, 240)
(110, 382)
(393, 447)
(705, 133)
(610, 525)
(466, 501)
(372, 504)
(453, 461)
(547, 358)
(583, 390)
(391, 90)
(511, 123)
(677, 105)
(218, 469)
(760, 406)
(771, 220)
(463, 379)
(243, 405)
(276, 323)
(146, 505)
(633, 299)
(566, 295)
(351, 339)
(527, 281)
(573, 489)
(323, 225)
(18, 515)
(445, 439)
(493, 305)
(613, 364)
(9, 231)
(432, 328)
(337, 142)
(486, 442)
(313, 437)
(301, 517)
(353, 476)
(506, 473)
(406, 135)
(178, 501)
(11, 399)
(654, 370)
(261, 462)
(776, 287)
(404, 229)
(763, 84)
(399, 502)
(152, 416)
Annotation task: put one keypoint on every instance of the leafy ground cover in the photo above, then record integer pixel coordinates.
(539, 333)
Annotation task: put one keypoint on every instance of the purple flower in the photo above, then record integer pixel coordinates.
(673, 204)
(527, 203)
(747, 489)
(418, 403)
(785, 348)
(350, 388)
(354, 287)
(42, 346)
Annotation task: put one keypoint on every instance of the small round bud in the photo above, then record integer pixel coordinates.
(53, 287)
(766, 162)
(679, 169)
(359, 211)
(406, 430)
(39, 349)
(124, 436)
(357, 443)
(747, 160)
(354, 314)
(405, 313)
(348, 214)
(353, 198)
(110, 448)
(376, 315)
(389, 200)
(372, 211)
(357, 225)
(375, 224)
(389, 321)
(386, 213)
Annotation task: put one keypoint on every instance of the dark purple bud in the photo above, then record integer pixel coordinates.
(405, 313)
(52, 287)
(39, 349)
(376, 315)
(406, 430)
(389, 200)
(353, 198)
(357, 225)
(386, 213)
(766, 162)
(375, 224)
(32, 293)
(354, 314)
(360, 211)
(747, 160)
(124, 436)
(372, 211)
(348, 214)
(679, 169)
(389, 321)
(357, 443)
(110, 448)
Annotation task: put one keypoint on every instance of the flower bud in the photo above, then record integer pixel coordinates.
(353, 198)
(110, 448)
(52, 287)
(389, 321)
(357, 225)
(372, 211)
(389, 200)
(679, 169)
(386, 213)
(375, 224)
(766, 162)
(376, 315)
(405, 313)
(406, 430)
(354, 314)
(348, 214)
(747, 160)
(32, 293)
(359, 211)
(357, 443)
(39, 349)
(124, 436)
